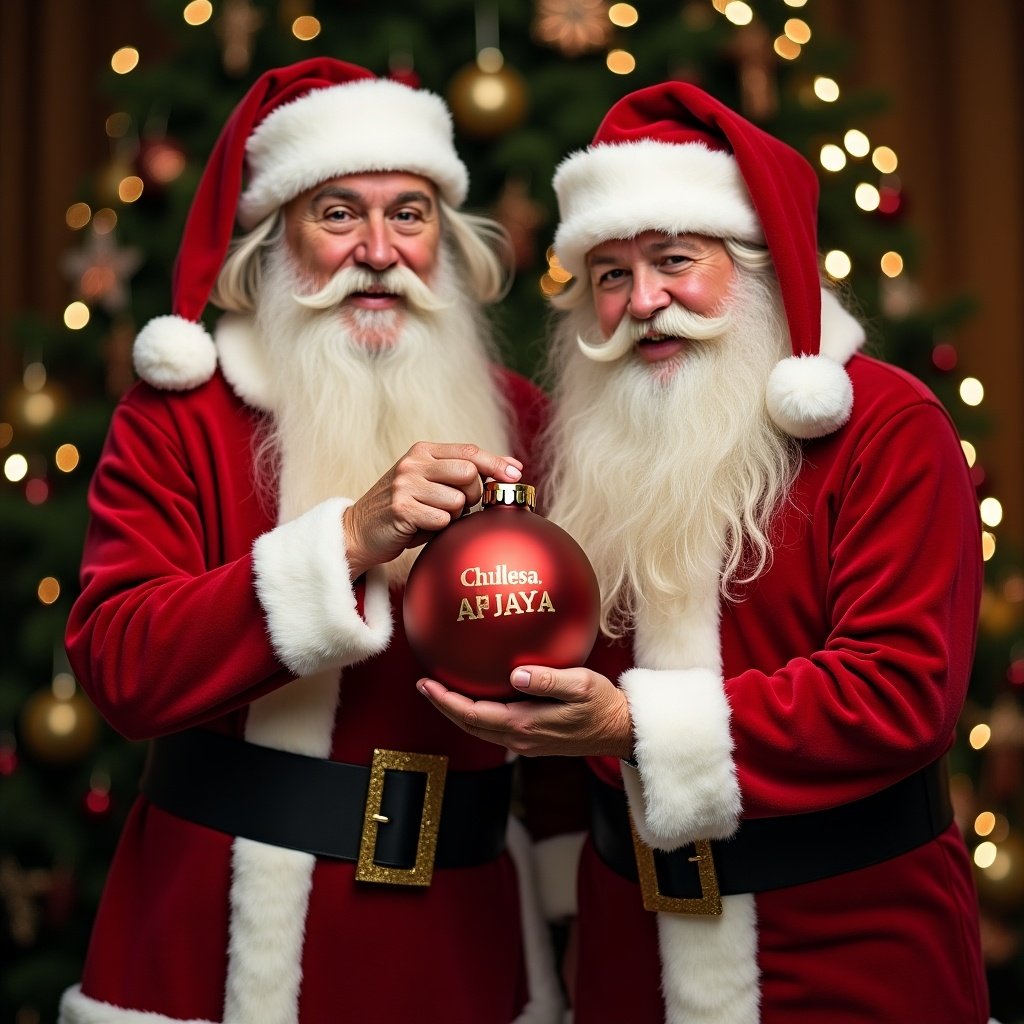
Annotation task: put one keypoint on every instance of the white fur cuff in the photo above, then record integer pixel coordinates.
(302, 582)
(685, 787)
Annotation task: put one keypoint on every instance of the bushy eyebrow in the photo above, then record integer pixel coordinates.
(351, 196)
(413, 197)
(336, 192)
(688, 242)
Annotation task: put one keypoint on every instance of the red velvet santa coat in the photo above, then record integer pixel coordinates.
(197, 610)
(841, 670)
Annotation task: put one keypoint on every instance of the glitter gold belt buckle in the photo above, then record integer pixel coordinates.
(707, 904)
(435, 767)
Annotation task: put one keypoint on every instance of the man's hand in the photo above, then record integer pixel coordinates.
(422, 493)
(578, 712)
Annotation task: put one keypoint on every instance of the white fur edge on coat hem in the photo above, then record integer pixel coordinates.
(685, 786)
(266, 878)
(302, 582)
(77, 1008)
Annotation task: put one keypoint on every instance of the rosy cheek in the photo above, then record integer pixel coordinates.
(696, 295)
(421, 256)
(329, 256)
(610, 310)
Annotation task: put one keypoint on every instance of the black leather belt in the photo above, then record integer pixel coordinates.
(773, 853)
(395, 818)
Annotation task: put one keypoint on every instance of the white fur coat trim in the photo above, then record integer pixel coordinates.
(709, 965)
(77, 1008)
(270, 889)
(269, 892)
(556, 861)
(685, 789)
(842, 334)
(302, 583)
(545, 1004)
(243, 360)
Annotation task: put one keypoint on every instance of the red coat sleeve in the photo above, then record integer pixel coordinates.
(897, 544)
(161, 637)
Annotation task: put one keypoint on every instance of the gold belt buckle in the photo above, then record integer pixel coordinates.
(707, 904)
(435, 767)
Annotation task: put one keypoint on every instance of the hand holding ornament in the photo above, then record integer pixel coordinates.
(422, 493)
(568, 712)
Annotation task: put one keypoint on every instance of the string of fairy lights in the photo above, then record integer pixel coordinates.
(572, 26)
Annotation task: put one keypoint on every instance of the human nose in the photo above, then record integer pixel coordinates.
(375, 249)
(647, 295)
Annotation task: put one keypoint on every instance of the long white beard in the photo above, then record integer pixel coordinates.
(667, 474)
(355, 389)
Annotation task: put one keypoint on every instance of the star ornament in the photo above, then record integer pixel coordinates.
(100, 271)
(573, 26)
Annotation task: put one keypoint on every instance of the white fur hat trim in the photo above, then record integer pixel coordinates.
(359, 127)
(174, 354)
(619, 191)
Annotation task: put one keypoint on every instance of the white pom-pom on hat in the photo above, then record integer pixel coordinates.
(174, 354)
(809, 396)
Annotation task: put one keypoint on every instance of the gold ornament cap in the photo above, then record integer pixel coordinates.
(496, 493)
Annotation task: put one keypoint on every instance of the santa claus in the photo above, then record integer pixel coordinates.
(787, 541)
(310, 845)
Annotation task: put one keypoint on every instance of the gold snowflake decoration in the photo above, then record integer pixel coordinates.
(573, 26)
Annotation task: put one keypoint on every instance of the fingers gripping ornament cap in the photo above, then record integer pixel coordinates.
(672, 158)
(295, 127)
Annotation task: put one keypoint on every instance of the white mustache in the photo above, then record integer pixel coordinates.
(674, 322)
(394, 281)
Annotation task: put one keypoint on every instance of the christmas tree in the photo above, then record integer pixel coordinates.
(527, 83)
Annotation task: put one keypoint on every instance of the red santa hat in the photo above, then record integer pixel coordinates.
(295, 127)
(672, 158)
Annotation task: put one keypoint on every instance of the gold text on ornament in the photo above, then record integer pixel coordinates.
(514, 603)
(499, 576)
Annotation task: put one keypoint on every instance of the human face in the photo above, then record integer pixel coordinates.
(372, 221)
(642, 276)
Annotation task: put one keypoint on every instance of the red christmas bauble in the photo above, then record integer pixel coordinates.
(498, 588)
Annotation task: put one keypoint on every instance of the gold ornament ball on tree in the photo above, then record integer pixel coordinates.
(487, 103)
(59, 729)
